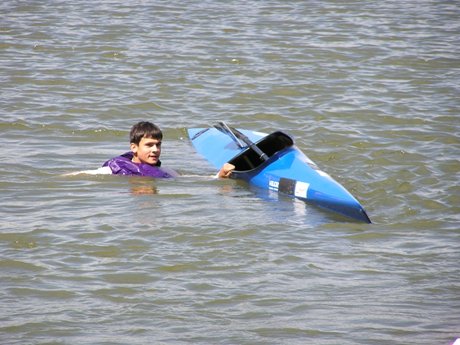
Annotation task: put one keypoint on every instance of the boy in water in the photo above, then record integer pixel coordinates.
(144, 158)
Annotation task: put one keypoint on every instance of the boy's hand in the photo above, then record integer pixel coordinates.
(226, 170)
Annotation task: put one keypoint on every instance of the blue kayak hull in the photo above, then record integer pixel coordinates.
(285, 169)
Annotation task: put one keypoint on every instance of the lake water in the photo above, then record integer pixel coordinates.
(370, 92)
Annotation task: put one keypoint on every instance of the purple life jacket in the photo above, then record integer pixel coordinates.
(123, 165)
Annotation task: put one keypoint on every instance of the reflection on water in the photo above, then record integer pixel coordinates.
(142, 186)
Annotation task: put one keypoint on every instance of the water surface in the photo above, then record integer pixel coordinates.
(368, 90)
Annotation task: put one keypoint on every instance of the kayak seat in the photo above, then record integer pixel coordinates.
(271, 144)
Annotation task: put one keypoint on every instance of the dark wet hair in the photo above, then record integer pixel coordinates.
(144, 129)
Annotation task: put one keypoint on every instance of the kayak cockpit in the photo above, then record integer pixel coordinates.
(249, 159)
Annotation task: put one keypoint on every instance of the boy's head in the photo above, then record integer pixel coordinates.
(144, 129)
(145, 142)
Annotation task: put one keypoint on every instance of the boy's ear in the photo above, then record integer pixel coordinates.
(134, 148)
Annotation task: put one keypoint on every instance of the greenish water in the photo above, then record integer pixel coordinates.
(368, 90)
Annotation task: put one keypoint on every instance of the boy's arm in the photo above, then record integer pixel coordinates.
(101, 171)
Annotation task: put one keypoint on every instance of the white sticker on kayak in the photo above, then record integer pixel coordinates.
(273, 185)
(301, 189)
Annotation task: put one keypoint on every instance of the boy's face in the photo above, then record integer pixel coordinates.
(148, 151)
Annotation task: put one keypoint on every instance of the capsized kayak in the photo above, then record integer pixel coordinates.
(272, 161)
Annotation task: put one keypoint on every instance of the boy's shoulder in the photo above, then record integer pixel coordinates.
(123, 165)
